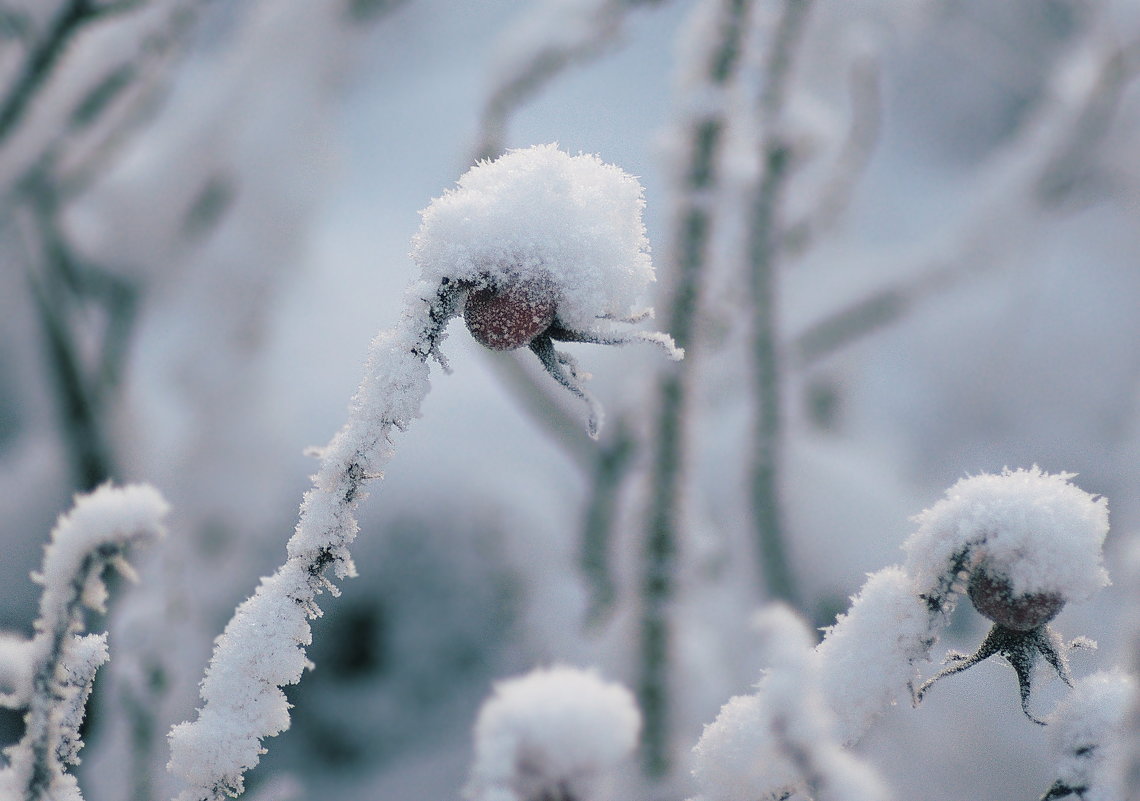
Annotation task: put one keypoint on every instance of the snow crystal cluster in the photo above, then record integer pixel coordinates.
(551, 734)
(544, 213)
(783, 736)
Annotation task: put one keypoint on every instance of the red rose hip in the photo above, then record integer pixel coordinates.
(511, 314)
(992, 595)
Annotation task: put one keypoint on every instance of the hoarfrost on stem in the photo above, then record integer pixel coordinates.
(551, 734)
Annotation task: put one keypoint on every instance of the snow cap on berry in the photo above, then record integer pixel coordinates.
(542, 211)
(1038, 530)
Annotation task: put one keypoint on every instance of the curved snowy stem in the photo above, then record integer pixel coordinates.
(262, 648)
(716, 64)
(93, 537)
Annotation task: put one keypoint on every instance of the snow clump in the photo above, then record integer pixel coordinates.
(1044, 533)
(550, 734)
(540, 212)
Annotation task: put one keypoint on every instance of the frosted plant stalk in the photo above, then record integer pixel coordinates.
(92, 538)
(551, 734)
(535, 217)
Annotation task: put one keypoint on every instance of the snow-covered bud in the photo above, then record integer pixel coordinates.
(550, 735)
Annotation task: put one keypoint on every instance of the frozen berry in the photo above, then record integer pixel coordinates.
(992, 594)
(511, 314)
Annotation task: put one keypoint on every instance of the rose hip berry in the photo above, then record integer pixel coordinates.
(992, 594)
(510, 314)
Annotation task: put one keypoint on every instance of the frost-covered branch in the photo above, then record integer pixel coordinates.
(262, 647)
(550, 736)
(507, 243)
(85, 543)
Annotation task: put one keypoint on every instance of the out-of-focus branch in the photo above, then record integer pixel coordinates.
(45, 54)
(862, 136)
(65, 291)
(1038, 169)
(543, 65)
(692, 238)
(764, 243)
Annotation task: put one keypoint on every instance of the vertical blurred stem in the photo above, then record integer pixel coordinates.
(763, 263)
(692, 240)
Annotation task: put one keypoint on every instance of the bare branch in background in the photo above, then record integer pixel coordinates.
(862, 136)
(763, 263)
(1037, 169)
(542, 65)
(699, 176)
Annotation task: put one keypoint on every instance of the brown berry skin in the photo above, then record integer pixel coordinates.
(993, 596)
(510, 315)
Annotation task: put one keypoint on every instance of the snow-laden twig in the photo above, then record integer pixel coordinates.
(782, 738)
(1088, 729)
(85, 543)
(550, 735)
(536, 230)
(262, 647)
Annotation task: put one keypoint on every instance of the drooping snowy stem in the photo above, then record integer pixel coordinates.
(262, 647)
(86, 542)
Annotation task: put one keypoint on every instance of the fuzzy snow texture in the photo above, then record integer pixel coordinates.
(868, 658)
(783, 736)
(108, 516)
(540, 210)
(550, 734)
(1041, 531)
(1088, 734)
(263, 646)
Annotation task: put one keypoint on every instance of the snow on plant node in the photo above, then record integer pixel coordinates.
(548, 247)
(550, 735)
